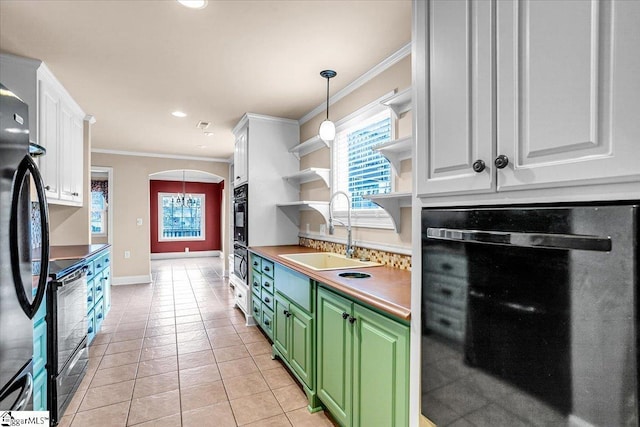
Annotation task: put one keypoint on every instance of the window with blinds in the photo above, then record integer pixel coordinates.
(357, 169)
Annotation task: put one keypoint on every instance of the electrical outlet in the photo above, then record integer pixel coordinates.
(186, 249)
(127, 254)
(139, 221)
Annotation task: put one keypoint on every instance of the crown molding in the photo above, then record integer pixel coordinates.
(158, 155)
(396, 57)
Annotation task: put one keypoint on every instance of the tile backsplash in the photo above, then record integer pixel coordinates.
(403, 262)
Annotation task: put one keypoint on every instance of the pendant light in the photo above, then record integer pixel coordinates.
(184, 200)
(327, 130)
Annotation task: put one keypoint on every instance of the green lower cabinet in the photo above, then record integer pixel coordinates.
(301, 344)
(363, 364)
(281, 330)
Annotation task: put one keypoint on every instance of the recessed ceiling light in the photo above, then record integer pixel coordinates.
(208, 133)
(202, 146)
(194, 4)
(179, 114)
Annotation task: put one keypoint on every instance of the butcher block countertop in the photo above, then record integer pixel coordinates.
(388, 289)
(74, 251)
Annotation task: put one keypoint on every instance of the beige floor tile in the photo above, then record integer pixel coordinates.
(159, 340)
(251, 336)
(157, 366)
(255, 407)
(221, 330)
(180, 312)
(160, 330)
(202, 395)
(97, 350)
(101, 338)
(245, 385)
(159, 352)
(278, 378)
(220, 341)
(106, 416)
(199, 335)
(266, 362)
(75, 402)
(231, 353)
(195, 359)
(199, 375)
(193, 346)
(66, 420)
(106, 395)
(215, 314)
(260, 347)
(155, 384)
(188, 319)
(154, 407)
(291, 397)
(131, 326)
(170, 321)
(141, 317)
(124, 346)
(277, 421)
(162, 314)
(187, 327)
(119, 359)
(217, 415)
(170, 421)
(303, 418)
(217, 323)
(127, 335)
(234, 368)
(114, 375)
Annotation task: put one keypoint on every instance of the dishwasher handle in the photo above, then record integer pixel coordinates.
(525, 240)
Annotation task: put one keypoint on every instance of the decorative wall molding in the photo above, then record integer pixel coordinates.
(387, 63)
(158, 155)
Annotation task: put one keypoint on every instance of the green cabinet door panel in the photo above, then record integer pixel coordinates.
(281, 327)
(296, 286)
(334, 355)
(380, 371)
(301, 344)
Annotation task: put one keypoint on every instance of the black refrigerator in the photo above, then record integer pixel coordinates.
(21, 293)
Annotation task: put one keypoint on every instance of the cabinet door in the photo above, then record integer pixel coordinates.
(301, 348)
(334, 355)
(456, 99)
(568, 88)
(281, 329)
(380, 370)
(77, 159)
(66, 153)
(48, 136)
(240, 158)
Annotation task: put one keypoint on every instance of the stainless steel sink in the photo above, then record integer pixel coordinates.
(327, 261)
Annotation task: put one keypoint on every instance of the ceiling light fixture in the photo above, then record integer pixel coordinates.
(179, 114)
(183, 200)
(208, 134)
(194, 4)
(327, 130)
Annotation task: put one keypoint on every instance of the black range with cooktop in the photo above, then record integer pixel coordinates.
(68, 353)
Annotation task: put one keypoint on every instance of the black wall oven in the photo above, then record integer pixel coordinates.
(240, 262)
(240, 218)
(529, 316)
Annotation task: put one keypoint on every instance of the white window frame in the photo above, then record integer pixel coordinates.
(105, 215)
(180, 239)
(366, 218)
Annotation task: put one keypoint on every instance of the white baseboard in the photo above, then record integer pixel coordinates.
(131, 280)
(192, 254)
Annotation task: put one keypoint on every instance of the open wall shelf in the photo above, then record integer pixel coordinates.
(395, 151)
(392, 202)
(309, 175)
(308, 146)
(399, 102)
(292, 209)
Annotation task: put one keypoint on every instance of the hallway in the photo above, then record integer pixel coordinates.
(175, 352)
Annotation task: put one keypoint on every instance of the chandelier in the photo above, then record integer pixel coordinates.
(183, 199)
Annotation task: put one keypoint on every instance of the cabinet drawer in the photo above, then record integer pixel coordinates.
(91, 297)
(447, 321)
(256, 262)
(448, 290)
(447, 264)
(39, 347)
(102, 262)
(295, 286)
(90, 270)
(99, 314)
(267, 320)
(267, 298)
(256, 309)
(242, 299)
(267, 268)
(91, 326)
(256, 283)
(267, 284)
(98, 285)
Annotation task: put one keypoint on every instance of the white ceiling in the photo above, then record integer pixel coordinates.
(130, 63)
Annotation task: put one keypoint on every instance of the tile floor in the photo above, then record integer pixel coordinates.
(175, 352)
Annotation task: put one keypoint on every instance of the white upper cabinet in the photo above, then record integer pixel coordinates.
(48, 131)
(240, 157)
(561, 77)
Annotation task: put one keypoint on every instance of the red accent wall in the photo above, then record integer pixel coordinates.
(212, 210)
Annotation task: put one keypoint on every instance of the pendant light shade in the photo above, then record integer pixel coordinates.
(327, 130)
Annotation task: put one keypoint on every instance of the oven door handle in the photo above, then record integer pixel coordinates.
(243, 271)
(525, 240)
